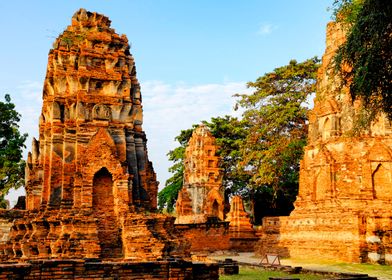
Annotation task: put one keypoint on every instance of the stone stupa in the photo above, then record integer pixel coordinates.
(202, 196)
(343, 209)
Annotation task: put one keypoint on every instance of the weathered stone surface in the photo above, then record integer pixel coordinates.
(89, 182)
(206, 237)
(90, 123)
(343, 210)
(238, 218)
(6, 221)
(242, 235)
(202, 194)
(87, 270)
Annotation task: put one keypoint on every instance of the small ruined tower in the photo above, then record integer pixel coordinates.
(202, 195)
(239, 220)
(242, 234)
(89, 182)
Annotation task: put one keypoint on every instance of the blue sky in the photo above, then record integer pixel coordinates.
(191, 55)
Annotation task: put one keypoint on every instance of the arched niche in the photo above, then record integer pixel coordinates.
(103, 190)
(382, 181)
(56, 111)
(321, 172)
(215, 208)
(215, 204)
(109, 231)
(101, 152)
(326, 129)
(323, 188)
(380, 160)
(101, 112)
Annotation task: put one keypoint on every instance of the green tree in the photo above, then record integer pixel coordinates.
(11, 145)
(364, 61)
(276, 119)
(346, 11)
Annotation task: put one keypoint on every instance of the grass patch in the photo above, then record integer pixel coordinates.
(381, 271)
(384, 271)
(248, 273)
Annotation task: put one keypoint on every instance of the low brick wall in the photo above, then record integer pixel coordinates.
(243, 244)
(206, 237)
(343, 236)
(85, 270)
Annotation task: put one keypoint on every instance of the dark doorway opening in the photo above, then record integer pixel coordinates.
(109, 231)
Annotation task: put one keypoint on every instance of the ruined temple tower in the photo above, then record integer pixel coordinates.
(202, 194)
(90, 127)
(343, 210)
(89, 182)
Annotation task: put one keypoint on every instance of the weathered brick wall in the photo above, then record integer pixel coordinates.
(243, 244)
(80, 269)
(338, 235)
(5, 227)
(206, 237)
(343, 209)
(322, 237)
(6, 221)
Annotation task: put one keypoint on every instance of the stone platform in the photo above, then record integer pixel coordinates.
(92, 270)
(344, 236)
(71, 234)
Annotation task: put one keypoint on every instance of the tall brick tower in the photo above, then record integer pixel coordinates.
(90, 125)
(343, 209)
(90, 186)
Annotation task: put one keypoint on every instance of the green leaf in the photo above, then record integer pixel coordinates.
(11, 148)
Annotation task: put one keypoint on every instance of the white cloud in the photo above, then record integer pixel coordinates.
(168, 108)
(266, 28)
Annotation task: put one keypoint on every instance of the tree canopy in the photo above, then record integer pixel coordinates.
(11, 145)
(367, 52)
(276, 117)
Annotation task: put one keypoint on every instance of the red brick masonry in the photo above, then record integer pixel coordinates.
(89, 270)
